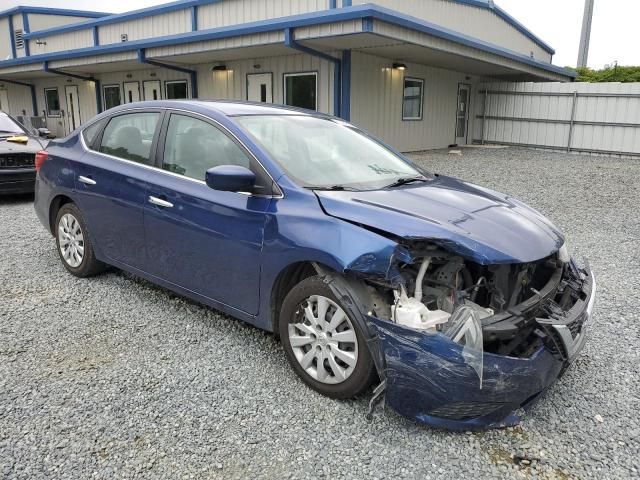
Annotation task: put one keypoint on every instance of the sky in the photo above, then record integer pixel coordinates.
(557, 22)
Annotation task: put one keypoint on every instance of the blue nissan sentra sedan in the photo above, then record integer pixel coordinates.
(459, 304)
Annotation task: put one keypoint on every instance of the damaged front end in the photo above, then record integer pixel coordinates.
(460, 345)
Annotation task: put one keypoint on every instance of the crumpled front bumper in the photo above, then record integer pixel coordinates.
(429, 379)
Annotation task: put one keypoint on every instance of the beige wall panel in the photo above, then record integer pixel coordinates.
(473, 21)
(5, 39)
(232, 84)
(39, 21)
(233, 12)
(376, 103)
(63, 42)
(153, 26)
(267, 38)
(19, 99)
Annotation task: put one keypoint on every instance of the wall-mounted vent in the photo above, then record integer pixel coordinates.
(124, 37)
(19, 39)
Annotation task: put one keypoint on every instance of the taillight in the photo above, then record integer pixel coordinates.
(41, 157)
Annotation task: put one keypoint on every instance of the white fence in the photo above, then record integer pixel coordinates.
(581, 117)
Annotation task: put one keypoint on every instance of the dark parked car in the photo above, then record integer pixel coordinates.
(461, 302)
(18, 148)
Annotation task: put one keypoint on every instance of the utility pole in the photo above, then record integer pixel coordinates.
(585, 38)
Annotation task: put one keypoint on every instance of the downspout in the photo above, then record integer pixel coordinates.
(193, 75)
(290, 42)
(34, 103)
(96, 83)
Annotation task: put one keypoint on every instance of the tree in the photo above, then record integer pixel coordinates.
(609, 74)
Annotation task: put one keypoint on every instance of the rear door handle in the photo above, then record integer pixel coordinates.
(159, 202)
(87, 180)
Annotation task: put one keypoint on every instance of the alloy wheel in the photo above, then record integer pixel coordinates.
(71, 240)
(323, 340)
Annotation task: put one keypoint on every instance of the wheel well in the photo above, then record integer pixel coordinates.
(286, 280)
(54, 208)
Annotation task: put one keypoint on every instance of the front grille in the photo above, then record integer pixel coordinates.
(17, 160)
(465, 410)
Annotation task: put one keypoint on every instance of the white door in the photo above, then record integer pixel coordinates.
(462, 114)
(152, 90)
(4, 101)
(260, 87)
(131, 92)
(73, 107)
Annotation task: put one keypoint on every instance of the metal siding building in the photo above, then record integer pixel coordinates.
(408, 71)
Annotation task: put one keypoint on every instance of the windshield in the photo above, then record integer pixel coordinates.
(8, 125)
(327, 154)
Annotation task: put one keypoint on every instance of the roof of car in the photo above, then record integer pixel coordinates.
(229, 107)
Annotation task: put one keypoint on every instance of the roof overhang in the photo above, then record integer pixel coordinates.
(369, 28)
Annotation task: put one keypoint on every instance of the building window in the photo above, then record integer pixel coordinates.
(301, 90)
(176, 89)
(412, 99)
(19, 38)
(111, 96)
(52, 101)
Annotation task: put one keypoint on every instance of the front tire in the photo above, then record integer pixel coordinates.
(322, 341)
(73, 242)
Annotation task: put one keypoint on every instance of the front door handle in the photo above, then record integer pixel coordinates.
(159, 202)
(86, 180)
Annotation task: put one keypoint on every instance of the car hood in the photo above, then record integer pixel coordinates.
(33, 145)
(477, 223)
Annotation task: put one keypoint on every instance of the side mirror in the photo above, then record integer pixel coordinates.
(230, 178)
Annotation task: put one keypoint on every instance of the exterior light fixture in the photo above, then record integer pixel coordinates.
(219, 68)
(399, 66)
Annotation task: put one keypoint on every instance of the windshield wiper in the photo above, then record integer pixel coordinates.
(405, 181)
(333, 188)
(13, 133)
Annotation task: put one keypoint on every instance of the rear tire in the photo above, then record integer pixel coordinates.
(74, 243)
(323, 343)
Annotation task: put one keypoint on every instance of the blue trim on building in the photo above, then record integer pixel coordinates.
(296, 21)
(194, 18)
(12, 39)
(193, 75)
(96, 37)
(332, 4)
(52, 11)
(346, 3)
(367, 24)
(290, 42)
(25, 31)
(127, 16)
(346, 85)
(34, 102)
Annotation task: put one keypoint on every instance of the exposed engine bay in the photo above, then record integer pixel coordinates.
(505, 309)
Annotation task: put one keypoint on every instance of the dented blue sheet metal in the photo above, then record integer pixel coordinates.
(430, 380)
(474, 222)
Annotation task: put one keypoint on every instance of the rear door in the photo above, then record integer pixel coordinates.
(110, 183)
(203, 240)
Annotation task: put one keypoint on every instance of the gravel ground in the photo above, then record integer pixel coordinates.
(114, 378)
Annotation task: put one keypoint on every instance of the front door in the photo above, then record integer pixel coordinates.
(4, 101)
(73, 107)
(131, 92)
(203, 240)
(462, 114)
(260, 87)
(152, 90)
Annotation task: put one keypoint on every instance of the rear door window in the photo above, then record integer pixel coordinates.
(130, 136)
